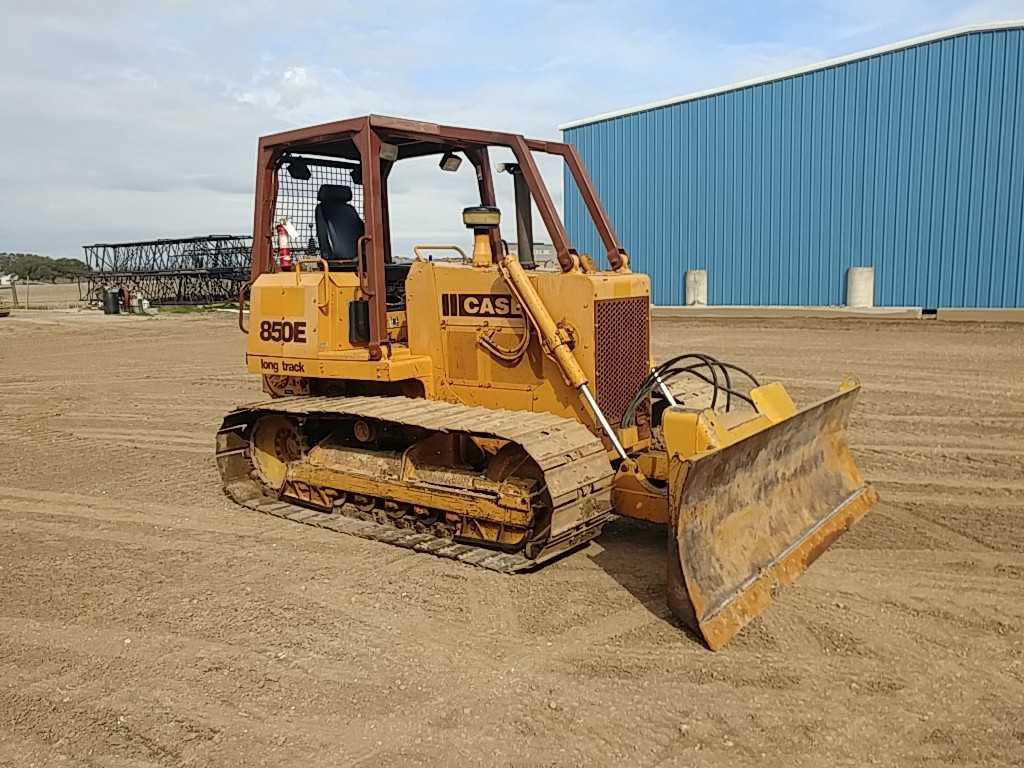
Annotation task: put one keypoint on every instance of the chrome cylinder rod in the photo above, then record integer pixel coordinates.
(599, 415)
(664, 390)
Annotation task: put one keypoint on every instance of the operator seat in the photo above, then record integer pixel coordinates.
(338, 226)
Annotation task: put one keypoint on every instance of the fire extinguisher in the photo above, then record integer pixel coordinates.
(284, 253)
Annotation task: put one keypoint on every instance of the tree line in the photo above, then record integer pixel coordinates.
(31, 266)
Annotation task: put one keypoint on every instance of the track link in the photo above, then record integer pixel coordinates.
(577, 473)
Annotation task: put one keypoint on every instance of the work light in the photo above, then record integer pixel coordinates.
(298, 169)
(450, 162)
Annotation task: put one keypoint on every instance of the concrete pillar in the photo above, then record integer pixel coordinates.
(860, 287)
(696, 287)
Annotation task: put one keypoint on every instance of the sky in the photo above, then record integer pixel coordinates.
(139, 120)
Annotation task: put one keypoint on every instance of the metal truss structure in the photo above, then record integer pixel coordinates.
(194, 270)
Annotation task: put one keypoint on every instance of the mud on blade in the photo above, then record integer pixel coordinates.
(754, 515)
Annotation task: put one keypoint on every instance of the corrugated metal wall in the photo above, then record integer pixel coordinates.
(911, 161)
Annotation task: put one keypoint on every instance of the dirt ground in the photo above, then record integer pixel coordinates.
(145, 621)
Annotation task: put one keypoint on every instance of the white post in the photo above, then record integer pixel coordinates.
(696, 287)
(860, 287)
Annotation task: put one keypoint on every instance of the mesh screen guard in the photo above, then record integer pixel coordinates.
(622, 354)
(296, 200)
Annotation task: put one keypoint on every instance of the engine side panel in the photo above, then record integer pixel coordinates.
(452, 306)
(300, 327)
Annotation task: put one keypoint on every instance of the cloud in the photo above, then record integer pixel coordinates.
(140, 120)
(991, 10)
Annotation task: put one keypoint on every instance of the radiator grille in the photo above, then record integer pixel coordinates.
(621, 358)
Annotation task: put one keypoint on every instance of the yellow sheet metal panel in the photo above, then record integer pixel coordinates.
(451, 306)
(357, 366)
(299, 314)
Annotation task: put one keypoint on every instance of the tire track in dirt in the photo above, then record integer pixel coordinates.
(150, 439)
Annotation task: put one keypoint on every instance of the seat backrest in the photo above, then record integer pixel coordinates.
(338, 226)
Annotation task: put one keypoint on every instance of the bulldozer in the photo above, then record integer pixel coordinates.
(473, 406)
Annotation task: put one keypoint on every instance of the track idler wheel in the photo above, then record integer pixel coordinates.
(275, 441)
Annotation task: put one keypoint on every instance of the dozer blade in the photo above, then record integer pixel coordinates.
(754, 515)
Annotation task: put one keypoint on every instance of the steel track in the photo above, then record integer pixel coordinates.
(577, 473)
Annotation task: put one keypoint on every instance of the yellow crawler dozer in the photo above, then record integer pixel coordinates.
(485, 410)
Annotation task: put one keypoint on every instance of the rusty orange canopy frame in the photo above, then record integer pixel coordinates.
(361, 138)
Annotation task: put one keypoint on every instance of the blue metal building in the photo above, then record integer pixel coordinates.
(907, 158)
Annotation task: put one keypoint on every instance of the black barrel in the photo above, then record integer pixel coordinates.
(112, 302)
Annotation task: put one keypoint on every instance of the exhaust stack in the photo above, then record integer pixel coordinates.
(524, 215)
